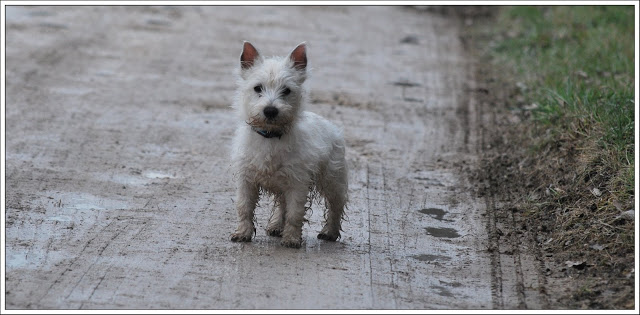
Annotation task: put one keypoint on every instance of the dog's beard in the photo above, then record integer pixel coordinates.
(278, 125)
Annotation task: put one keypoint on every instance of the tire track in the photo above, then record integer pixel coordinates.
(513, 264)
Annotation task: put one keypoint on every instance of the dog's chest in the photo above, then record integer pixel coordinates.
(272, 171)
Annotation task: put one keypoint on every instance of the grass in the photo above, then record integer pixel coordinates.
(574, 72)
(578, 67)
(579, 63)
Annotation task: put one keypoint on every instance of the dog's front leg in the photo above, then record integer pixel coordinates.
(295, 200)
(276, 222)
(246, 200)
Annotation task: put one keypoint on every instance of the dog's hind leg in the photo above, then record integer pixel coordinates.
(333, 185)
(334, 189)
(335, 209)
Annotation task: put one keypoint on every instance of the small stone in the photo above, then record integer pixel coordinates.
(628, 215)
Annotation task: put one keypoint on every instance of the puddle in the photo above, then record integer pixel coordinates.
(442, 232)
(426, 257)
(128, 180)
(454, 284)
(410, 39)
(157, 175)
(77, 201)
(16, 260)
(435, 213)
(442, 291)
(36, 257)
(138, 178)
(405, 83)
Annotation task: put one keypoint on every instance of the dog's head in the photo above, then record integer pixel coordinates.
(270, 90)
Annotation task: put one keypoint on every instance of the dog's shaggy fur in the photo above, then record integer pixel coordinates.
(283, 150)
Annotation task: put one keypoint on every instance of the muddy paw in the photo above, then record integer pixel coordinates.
(274, 232)
(327, 237)
(235, 237)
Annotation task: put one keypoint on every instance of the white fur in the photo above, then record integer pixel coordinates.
(307, 157)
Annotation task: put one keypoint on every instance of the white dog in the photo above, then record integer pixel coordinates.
(282, 150)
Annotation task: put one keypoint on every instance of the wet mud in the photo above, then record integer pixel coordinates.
(118, 189)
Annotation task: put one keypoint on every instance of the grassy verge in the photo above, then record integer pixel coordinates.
(577, 63)
(572, 70)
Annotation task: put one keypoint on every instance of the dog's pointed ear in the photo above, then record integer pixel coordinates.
(299, 56)
(248, 56)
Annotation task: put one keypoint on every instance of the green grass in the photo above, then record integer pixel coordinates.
(577, 63)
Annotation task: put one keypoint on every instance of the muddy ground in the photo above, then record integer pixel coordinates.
(584, 241)
(118, 189)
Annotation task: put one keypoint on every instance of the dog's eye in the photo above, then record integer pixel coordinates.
(286, 91)
(258, 88)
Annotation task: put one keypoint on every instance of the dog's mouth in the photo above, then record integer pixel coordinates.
(265, 125)
(268, 128)
(268, 124)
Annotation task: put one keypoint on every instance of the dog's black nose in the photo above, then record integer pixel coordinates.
(270, 112)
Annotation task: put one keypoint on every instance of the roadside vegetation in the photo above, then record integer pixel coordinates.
(568, 73)
(577, 66)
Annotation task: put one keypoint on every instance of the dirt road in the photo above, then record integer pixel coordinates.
(118, 189)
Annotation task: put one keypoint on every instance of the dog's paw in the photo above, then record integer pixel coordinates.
(244, 232)
(328, 237)
(291, 244)
(237, 237)
(274, 232)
